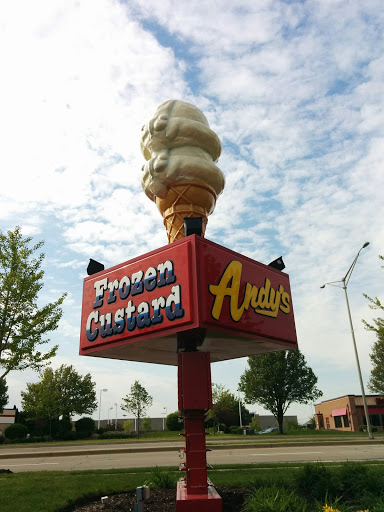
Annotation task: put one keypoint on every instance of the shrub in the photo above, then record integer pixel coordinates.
(109, 427)
(2, 439)
(34, 439)
(172, 422)
(16, 431)
(311, 424)
(162, 478)
(128, 426)
(235, 430)
(274, 499)
(255, 424)
(146, 425)
(291, 425)
(63, 427)
(116, 435)
(69, 436)
(355, 479)
(317, 481)
(85, 427)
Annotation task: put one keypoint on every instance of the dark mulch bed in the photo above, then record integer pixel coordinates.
(161, 500)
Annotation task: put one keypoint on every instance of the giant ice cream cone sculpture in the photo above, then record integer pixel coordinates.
(181, 176)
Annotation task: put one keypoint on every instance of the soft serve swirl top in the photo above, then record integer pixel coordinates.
(179, 147)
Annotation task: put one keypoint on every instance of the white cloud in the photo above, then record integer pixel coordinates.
(294, 91)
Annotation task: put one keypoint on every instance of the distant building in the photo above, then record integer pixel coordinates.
(267, 421)
(158, 424)
(7, 418)
(347, 413)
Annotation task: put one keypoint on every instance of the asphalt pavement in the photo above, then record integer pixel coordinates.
(255, 442)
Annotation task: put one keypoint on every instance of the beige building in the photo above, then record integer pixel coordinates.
(7, 418)
(347, 413)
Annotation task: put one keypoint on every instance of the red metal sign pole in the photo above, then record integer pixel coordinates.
(195, 399)
(213, 303)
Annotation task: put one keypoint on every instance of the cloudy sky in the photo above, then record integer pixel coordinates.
(294, 90)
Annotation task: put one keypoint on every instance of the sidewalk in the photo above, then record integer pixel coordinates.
(70, 449)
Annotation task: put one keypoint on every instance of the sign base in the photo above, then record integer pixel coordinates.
(209, 502)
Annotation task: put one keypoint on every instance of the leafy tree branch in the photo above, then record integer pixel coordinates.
(23, 324)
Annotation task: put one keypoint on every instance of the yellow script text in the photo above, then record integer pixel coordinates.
(264, 301)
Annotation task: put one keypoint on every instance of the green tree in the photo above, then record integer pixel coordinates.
(255, 424)
(278, 379)
(137, 402)
(226, 408)
(172, 422)
(128, 426)
(376, 381)
(62, 392)
(146, 425)
(3, 394)
(23, 324)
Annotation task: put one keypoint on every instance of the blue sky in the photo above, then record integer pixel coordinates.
(295, 92)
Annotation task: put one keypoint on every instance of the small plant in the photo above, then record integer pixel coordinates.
(162, 478)
(128, 426)
(291, 425)
(355, 479)
(333, 507)
(328, 508)
(235, 430)
(316, 481)
(146, 425)
(255, 424)
(274, 499)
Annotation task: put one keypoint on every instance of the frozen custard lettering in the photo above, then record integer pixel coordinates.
(100, 287)
(112, 286)
(129, 315)
(91, 331)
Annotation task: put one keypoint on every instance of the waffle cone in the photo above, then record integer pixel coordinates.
(188, 199)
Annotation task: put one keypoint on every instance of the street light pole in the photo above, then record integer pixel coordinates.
(165, 414)
(240, 417)
(116, 418)
(101, 391)
(344, 282)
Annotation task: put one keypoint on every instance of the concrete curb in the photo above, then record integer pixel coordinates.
(144, 449)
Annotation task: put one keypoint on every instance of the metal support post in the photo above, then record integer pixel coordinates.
(195, 399)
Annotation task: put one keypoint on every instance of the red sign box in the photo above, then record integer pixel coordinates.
(134, 310)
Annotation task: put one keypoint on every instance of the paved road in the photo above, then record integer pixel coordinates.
(230, 455)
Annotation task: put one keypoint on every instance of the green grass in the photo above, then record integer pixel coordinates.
(343, 433)
(48, 491)
(294, 435)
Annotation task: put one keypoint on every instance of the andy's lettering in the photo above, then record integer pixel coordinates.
(266, 300)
